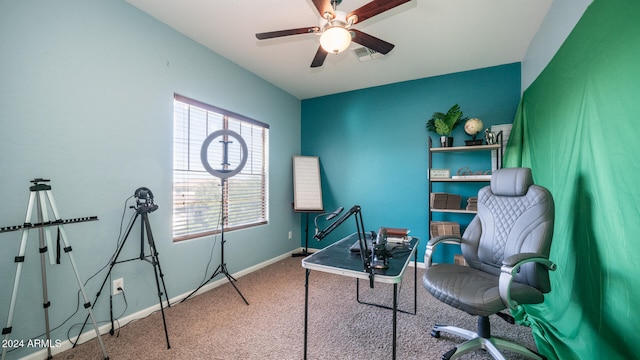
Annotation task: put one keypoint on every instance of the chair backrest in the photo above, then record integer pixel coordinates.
(514, 216)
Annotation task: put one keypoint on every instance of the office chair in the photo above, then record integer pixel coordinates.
(506, 247)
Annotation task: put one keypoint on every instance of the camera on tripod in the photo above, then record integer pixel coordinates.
(144, 201)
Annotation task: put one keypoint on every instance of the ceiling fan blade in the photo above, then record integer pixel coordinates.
(323, 6)
(374, 8)
(371, 42)
(318, 60)
(280, 33)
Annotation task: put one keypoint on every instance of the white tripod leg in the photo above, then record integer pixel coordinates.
(67, 250)
(45, 219)
(16, 283)
(87, 302)
(42, 210)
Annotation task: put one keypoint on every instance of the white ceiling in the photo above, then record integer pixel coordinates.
(431, 37)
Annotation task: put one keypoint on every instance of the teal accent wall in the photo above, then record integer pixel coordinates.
(86, 92)
(372, 144)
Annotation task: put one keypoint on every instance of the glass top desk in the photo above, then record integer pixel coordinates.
(338, 259)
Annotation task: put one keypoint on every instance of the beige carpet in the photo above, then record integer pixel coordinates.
(218, 325)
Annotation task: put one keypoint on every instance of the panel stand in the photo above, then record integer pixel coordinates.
(304, 252)
(39, 195)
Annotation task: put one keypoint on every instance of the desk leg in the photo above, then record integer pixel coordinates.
(415, 282)
(306, 309)
(395, 320)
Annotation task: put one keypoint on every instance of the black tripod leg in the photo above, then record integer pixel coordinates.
(106, 278)
(112, 331)
(164, 321)
(227, 274)
(222, 269)
(232, 280)
(155, 257)
(155, 261)
(161, 274)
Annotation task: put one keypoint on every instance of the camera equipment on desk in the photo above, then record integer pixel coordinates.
(372, 247)
(380, 255)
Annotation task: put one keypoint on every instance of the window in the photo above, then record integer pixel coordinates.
(203, 203)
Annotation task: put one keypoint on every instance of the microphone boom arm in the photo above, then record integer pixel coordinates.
(323, 233)
(362, 238)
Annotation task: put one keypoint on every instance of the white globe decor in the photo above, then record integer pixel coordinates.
(473, 127)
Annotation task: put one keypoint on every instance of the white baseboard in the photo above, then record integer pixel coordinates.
(104, 329)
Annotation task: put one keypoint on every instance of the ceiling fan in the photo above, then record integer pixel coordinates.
(335, 28)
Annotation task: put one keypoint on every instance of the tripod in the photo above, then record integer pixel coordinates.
(222, 268)
(40, 193)
(144, 205)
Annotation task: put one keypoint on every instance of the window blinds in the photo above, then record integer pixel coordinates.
(201, 206)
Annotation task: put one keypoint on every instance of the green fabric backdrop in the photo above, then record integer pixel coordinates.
(577, 127)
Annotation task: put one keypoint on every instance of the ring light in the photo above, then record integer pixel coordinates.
(223, 174)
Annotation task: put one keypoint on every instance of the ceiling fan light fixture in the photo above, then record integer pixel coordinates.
(335, 39)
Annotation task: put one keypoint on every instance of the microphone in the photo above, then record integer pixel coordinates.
(321, 234)
(379, 251)
(335, 213)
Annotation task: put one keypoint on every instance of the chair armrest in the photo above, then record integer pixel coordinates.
(511, 266)
(442, 239)
(515, 261)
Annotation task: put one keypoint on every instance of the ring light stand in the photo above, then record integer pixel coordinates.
(223, 174)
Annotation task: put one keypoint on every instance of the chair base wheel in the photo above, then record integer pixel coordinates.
(491, 345)
(448, 354)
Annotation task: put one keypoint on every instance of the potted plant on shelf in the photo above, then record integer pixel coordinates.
(443, 124)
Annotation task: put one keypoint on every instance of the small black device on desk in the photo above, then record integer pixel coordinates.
(390, 245)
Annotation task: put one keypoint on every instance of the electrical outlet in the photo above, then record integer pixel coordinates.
(290, 235)
(117, 284)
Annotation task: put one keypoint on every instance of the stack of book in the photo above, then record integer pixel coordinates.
(472, 204)
(445, 201)
(397, 235)
(438, 200)
(438, 228)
